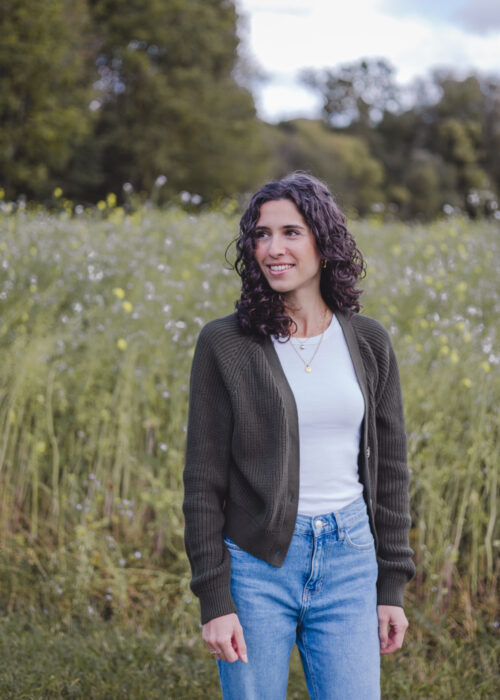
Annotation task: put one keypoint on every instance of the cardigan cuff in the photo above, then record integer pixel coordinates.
(390, 589)
(215, 602)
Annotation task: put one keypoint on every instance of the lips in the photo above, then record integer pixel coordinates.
(280, 269)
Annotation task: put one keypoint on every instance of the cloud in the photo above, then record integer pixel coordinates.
(479, 16)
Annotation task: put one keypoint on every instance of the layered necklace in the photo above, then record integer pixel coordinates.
(302, 346)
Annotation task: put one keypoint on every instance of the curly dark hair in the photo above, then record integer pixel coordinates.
(261, 310)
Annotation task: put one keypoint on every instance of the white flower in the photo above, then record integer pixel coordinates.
(160, 180)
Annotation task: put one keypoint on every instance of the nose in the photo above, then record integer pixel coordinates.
(276, 247)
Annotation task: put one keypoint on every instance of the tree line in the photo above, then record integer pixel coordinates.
(101, 95)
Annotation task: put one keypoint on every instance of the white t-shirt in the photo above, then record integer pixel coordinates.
(330, 409)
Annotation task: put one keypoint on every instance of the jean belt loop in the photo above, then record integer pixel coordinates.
(340, 526)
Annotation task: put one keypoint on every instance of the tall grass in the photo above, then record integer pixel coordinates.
(98, 320)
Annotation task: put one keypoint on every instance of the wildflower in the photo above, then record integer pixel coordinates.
(2, 193)
(185, 196)
(33, 250)
(118, 292)
(486, 366)
(445, 350)
(467, 382)
(57, 192)
(111, 200)
(33, 288)
(454, 357)
(121, 343)
(196, 199)
(101, 205)
(160, 180)
(461, 287)
(137, 555)
(40, 447)
(127, 306)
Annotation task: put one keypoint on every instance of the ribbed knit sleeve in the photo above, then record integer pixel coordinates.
(208, 459)
(392, 518)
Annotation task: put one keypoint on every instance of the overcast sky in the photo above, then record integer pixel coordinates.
(285, 36)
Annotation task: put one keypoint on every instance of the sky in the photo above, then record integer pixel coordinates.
(285, 36)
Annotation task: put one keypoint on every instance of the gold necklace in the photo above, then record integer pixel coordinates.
(308, 368)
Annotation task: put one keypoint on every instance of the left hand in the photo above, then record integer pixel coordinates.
(392, 625)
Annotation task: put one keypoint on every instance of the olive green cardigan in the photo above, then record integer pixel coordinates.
(241, 472)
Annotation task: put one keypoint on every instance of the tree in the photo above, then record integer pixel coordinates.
(355, 93)
(43, 91)
(342, 160)
(168, 101)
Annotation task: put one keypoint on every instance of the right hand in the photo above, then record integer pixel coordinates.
(224, 635)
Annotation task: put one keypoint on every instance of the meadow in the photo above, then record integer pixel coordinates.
(99, 314)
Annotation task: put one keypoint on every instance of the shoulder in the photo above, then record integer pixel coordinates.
(224, 338)
(371, 331)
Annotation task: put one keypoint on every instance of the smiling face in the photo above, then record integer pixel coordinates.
(285, 248)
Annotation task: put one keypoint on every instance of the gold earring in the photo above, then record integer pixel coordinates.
(324, 262)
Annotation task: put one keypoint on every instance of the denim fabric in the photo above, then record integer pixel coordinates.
(323, 599)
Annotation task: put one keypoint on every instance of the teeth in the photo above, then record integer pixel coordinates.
(278, 268)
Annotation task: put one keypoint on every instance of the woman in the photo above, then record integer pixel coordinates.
(296, 482)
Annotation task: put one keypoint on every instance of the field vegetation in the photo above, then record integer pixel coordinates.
(99, 314)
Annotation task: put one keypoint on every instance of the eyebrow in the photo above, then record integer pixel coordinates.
(266, 228)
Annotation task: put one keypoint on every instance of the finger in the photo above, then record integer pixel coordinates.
(239, 644)
(383, 634)
(226, 651)
(395, 641)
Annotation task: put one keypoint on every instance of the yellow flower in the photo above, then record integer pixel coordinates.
(445, 350)
(57, 192)
(118, 292)
(428, 280)
(467, 337)
(460, 325)
(101, 205)
(454, 357)
(122, 343)
(461, 287)
(40, 447)
(111, 200)
(424, 323)
(467, 382)
(127, 306)
(486, 366)
(443, 338)
(2, 193)
(33, 250)
(80, 531)
(33, 288)
(396, 249)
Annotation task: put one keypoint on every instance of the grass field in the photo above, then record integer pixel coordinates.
(99, 314)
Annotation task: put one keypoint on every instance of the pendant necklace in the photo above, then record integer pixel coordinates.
(302, 346)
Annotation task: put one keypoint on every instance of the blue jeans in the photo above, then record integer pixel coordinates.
(323, 599)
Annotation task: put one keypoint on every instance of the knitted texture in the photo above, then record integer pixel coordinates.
(241, 471)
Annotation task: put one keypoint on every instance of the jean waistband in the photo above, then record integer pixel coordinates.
(329, 522)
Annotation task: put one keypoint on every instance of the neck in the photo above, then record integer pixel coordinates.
(308, 312)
